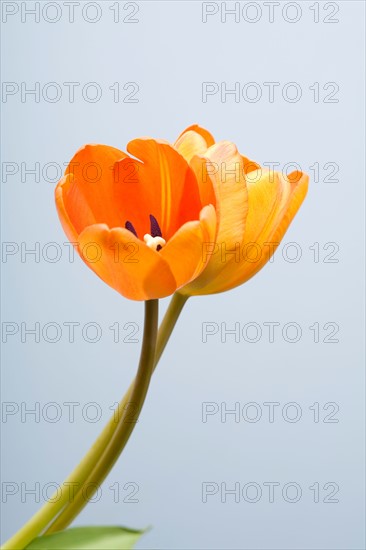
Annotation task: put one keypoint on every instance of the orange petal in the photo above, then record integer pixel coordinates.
(273, 203)
(184, 251)
(250, 165)
(271, 198)
(66, 223)
(225, 168)
(209, 139)
(125, 263)
(190, 144)
(163, 185)
(88, 191)
(201, 167)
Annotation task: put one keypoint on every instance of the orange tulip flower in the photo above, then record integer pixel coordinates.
(180, 217)
(139, 224)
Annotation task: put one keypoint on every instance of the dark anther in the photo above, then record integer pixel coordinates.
(130, 227)
(155, 229)
(159, 247)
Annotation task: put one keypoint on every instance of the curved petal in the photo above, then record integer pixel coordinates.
(201, 167)
(271, 200)
(225, 168)
(250, 165)
(273, 203)
(205, 134)
(88, 191)
(163, 185)
(125, 263)
(184, 251)
(193, 141)
(190, 144)
(272, 207)
(66, 223)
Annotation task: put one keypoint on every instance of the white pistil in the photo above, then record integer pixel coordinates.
(154, 242)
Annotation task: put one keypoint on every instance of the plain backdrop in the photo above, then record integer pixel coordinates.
(169, 52)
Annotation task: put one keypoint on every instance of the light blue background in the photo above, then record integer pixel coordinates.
(169, 53)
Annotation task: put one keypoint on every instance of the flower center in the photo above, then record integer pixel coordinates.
(153, 240)
(156, 243)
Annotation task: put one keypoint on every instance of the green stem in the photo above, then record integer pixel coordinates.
(79, 476)
(171, 317)
(120, 437)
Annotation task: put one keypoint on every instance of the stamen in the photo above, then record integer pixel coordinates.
(156, 243)
(155, 228)
(155, 240)
(130, 227)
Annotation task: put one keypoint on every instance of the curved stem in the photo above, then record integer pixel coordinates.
(120, 437)
(171, 317)
(86, 467)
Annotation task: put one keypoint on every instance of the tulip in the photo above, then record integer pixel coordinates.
(255, 207)
(195, 217)
(139, 224)
(193, 213)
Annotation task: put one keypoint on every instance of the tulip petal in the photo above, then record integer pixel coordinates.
(194, 141)
(205, 134)
(273, 203)
(204, 181)
(184, 251)
(190, 144)
(250, 165)
(271, 199)
(163, 185)
(88, 191)
(125, 263)
(225, 167)
(66, 223)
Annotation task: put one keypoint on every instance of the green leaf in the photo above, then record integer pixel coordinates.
(88, 538)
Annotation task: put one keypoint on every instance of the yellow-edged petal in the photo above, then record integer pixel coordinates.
(225, 166)
(193, 141)
(191, 144)
(273, 202)
(272, 207)
(205, 134)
